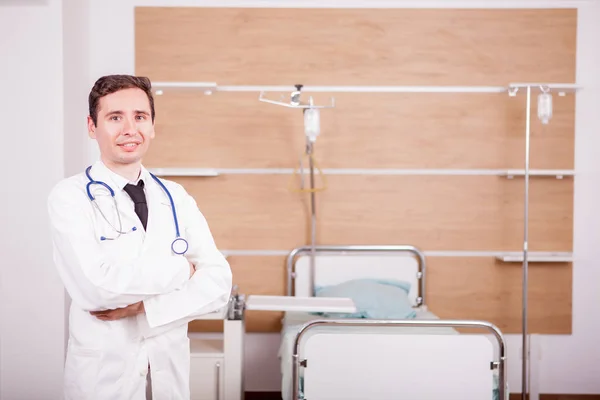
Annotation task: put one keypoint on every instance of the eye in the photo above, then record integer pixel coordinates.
(141, 117)
(114, 117)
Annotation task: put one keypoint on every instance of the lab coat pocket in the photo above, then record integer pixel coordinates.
(81, 373)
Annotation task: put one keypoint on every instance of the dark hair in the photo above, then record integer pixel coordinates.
(113, 83)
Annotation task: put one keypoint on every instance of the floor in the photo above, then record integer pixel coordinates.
(513, 396)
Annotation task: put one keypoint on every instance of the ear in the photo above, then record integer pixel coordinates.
(91, 127)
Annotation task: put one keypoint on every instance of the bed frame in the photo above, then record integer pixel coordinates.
(360, 358)
(408, 264)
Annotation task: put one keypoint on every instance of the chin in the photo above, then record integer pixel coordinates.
(128, 159)
(129, 155)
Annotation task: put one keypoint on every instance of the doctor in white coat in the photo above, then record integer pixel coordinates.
(133, 286)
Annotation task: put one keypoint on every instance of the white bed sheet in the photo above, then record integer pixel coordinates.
(292, 322)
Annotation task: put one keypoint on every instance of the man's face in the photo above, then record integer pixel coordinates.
(124, 128)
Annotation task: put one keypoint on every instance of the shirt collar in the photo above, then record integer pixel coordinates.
(120, 181)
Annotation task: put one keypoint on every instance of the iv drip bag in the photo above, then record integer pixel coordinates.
(312, 123)
(544, 107)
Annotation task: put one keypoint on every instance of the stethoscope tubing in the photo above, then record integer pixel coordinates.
(178, 237)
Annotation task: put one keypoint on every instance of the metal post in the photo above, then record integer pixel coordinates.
(295, 374)
(313, 217)
(526, 247)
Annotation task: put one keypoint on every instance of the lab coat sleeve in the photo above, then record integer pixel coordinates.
(210, 287)
(92, 281)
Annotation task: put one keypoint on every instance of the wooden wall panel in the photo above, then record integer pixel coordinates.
(432, 212)
(487, 289)
(235, 130)
(457, 288)
(259, 46)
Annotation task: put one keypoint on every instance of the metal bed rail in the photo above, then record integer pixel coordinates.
(342, 250)
(501, 363)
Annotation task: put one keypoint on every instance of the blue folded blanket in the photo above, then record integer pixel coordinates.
(374, 298)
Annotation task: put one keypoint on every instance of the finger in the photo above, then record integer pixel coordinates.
(102, 312)
(114, 315)
(111, 315)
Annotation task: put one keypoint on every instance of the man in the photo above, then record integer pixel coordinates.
(132, 291)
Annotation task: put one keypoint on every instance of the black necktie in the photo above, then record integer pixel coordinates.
(139, 199)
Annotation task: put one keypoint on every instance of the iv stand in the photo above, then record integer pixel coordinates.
(525, 349)
(295, 102)
(313, 217)
(513, 88)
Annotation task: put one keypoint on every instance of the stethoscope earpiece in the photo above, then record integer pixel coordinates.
(105, 238)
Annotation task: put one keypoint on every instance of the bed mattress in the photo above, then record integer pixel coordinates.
(293, 321)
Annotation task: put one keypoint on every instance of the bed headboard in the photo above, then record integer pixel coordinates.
(336, 264)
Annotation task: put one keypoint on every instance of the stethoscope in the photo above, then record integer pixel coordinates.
(178, 246)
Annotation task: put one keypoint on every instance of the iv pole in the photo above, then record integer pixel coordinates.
(525, 351)
(311, 130)
(544, 112)
(525, 354)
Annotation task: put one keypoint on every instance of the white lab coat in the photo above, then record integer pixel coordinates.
(110, 359)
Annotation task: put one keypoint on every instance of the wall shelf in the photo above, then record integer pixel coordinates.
(537, 257)
(511, 173)
(512, 256)
(561, 88)
(557, 173)
(184, 171)
(209, 87)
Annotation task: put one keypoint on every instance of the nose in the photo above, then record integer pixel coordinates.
(129, 126)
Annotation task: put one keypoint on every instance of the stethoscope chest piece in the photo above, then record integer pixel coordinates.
(179, 246)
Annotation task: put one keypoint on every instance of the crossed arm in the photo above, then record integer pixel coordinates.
(167, 290)
(130, 310)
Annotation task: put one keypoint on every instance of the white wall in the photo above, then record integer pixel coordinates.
(31, 155)
(581, 351)
(76, 57)
(77, 86)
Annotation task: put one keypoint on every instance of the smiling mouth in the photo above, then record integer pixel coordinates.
(129, 146)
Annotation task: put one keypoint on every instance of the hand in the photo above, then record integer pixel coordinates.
(192, 270)
(113, 315)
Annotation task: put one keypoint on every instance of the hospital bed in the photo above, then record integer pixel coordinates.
(356, 326)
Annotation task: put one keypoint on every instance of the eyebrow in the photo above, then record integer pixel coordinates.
(115, 112)
(119, 112)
